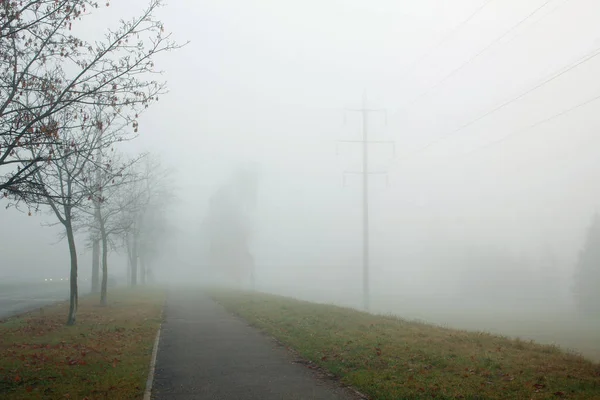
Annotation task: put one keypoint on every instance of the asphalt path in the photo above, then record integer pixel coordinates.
(18, 299)
(206, 353)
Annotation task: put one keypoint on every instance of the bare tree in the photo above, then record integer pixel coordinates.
(47, 74)
(152, 193)
(65, 183)
(53, 85)
(114, 202)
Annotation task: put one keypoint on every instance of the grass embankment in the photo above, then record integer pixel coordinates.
(390, 358)
(106, 355)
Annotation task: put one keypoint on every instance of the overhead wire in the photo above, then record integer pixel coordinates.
(520, 131)
(550, 173)
(588, 57)
(478, 54)
(447, 37)
(559, 5)
(534, 125)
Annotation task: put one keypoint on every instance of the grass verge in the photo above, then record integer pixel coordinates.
(106, 355)
(389, 358)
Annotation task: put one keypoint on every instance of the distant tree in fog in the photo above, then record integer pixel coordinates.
(587, 271)
(229, 227)
(497, 276)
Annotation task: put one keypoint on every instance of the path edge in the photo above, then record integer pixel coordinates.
(150, 379)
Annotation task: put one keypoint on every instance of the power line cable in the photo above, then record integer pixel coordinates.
(588, 57)
(446, 38)
(534, 125)
(473, 58)
(541, 19)
(550, 174)
(530, 127)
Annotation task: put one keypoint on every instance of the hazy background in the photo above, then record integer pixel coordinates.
(267, 82)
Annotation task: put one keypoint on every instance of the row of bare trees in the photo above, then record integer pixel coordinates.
(65, 106)
(129, 214)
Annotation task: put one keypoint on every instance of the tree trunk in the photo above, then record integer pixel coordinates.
(104, 286)
(134, 260)
(143, 268)
(149, 272)
(73, 296)
(128, 263)
(96, 245)
(96, 266)
(252, 268)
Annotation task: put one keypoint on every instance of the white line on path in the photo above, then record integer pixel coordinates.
(149, 381)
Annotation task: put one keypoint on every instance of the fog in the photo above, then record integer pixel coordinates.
(488, 196)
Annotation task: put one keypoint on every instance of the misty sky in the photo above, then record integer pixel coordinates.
(267, 81)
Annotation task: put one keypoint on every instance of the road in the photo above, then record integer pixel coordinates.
(206, 353)
(17, 299)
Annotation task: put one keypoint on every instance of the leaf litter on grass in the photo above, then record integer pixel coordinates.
(106, 353)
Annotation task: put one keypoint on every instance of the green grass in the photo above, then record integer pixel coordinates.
(390, 358)
(106, 355)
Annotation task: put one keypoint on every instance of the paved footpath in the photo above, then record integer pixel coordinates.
(29, 298)
(206, 353)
